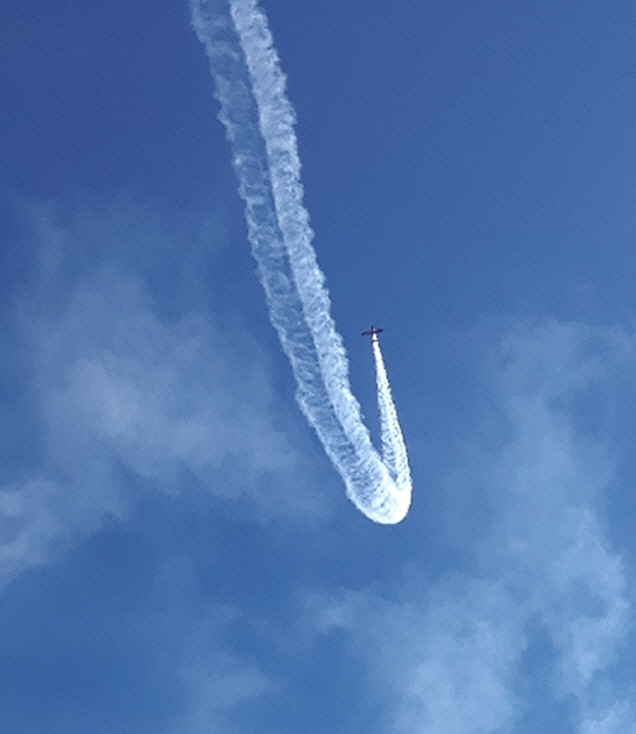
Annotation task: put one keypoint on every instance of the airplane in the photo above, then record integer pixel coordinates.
(372, 332)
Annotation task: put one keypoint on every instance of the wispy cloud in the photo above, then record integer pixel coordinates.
(217, 689)
(118, 396)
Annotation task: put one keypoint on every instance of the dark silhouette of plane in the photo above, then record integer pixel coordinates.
(372, 332)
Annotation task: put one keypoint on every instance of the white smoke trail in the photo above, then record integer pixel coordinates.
(393, 448)
(259, 122)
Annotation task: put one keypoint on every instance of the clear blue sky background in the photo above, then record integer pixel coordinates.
(177, 555)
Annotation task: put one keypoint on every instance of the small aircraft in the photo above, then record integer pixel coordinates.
(372, 332)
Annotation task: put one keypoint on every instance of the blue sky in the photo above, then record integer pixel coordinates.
(177, 555)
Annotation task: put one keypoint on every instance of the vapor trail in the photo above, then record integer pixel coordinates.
(259, 122)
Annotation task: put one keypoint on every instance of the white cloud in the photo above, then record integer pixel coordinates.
(441, 660)
(216, 691)
(159, 396)
(215, 677)
(39, 517)
(618, 719)
(586, 609)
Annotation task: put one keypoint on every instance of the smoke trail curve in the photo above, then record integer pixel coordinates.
(259, 122)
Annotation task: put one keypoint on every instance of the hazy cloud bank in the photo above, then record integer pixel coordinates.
(113, 397)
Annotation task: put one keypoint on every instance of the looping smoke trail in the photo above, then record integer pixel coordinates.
(259, 122)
